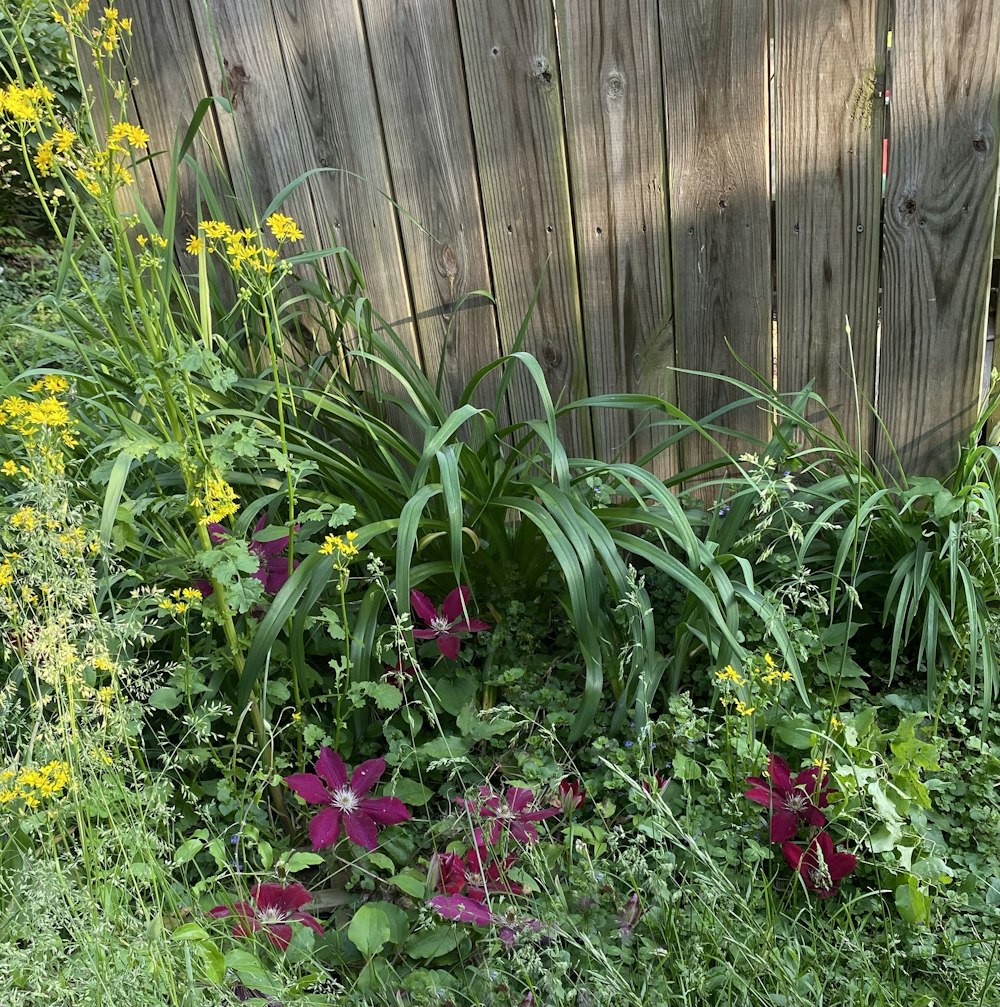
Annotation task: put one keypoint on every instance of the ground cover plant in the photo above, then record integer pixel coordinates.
(301, 709)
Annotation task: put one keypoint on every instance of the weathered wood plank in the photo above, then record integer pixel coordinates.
(939, 218)
(716, 88)
(334, 107)
(417, 62)
(512, 72)
(169, 81)
(829, 124)
(615, 126)
(242, 54)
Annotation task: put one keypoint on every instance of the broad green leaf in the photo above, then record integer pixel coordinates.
(433, 943)
(369, 930)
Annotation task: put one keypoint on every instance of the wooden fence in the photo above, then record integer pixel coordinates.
(690, 180)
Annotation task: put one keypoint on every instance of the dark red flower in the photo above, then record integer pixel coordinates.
(346, 802)
(510, 812)
(272, 908)
(571, 796)
(399, 674)
(272, 569)
(630, 915)
(444, 626)
(820, 865)
(789, 801)
(488, 875)
(661, 781)
(462, 908)
(446, 871)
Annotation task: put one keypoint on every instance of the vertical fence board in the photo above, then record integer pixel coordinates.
(716, 88)
(417, 60)
(829, 125)
(611, 75)
(334, 106)
(514, 91)
(261, 143)
(939, 219)
(169, 82)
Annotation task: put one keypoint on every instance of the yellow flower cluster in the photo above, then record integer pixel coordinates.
(217, 501)
(44, 424)
(32, 786)
(774, 674)
(112, 27)
(730, 674)
(75, 13)
(244, 250)
(179, 601)
(25, 105)
(335, 544)
(24, 519)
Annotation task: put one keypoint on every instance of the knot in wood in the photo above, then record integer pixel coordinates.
(541, 71)
(909, 205)
(614, 86)
(449, 261)
(979, 143)
(551, 357)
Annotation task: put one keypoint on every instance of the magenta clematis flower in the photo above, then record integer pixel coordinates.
(789, 801)
(511, 812)
(661, 781)
(345, 802)
(487, 875)
(272, 908)
(630, 915)
(446, 871)
(272, 570)
(444, 626)
(462, 908)
(571, 796)
(820, 865)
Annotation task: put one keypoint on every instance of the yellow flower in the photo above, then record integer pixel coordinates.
(284, 228)
(6, 574)
(64, 139)
(218, 500)
(44, 158)
(730, 674)
(334, 543)
(54, 383)
(9, 468)
(102, 663)
(195, 245)
(25, 519)
(215, 228)
(135, 136)
(743, 710)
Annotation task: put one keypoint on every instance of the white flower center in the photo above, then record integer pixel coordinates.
(270, 915)
(346, 800)
(797, 801)
(440, 623)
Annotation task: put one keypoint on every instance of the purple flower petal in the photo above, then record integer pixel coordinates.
(280, 935)
(331, 769)
(324, 828)
(309, 787)
(385, 810)
(423, 606)
(784, 825)
(456, 604)
(469, 626)
(367, 775)
(449, 645)
(361, 830)
(461, 908)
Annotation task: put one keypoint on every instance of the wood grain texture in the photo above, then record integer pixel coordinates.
(512, 72)
(939, 218)
(242, 53)
(334, 107)
(169, 81)
(417, 63)
(615, 126)
(716, 87)
(829, 123)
